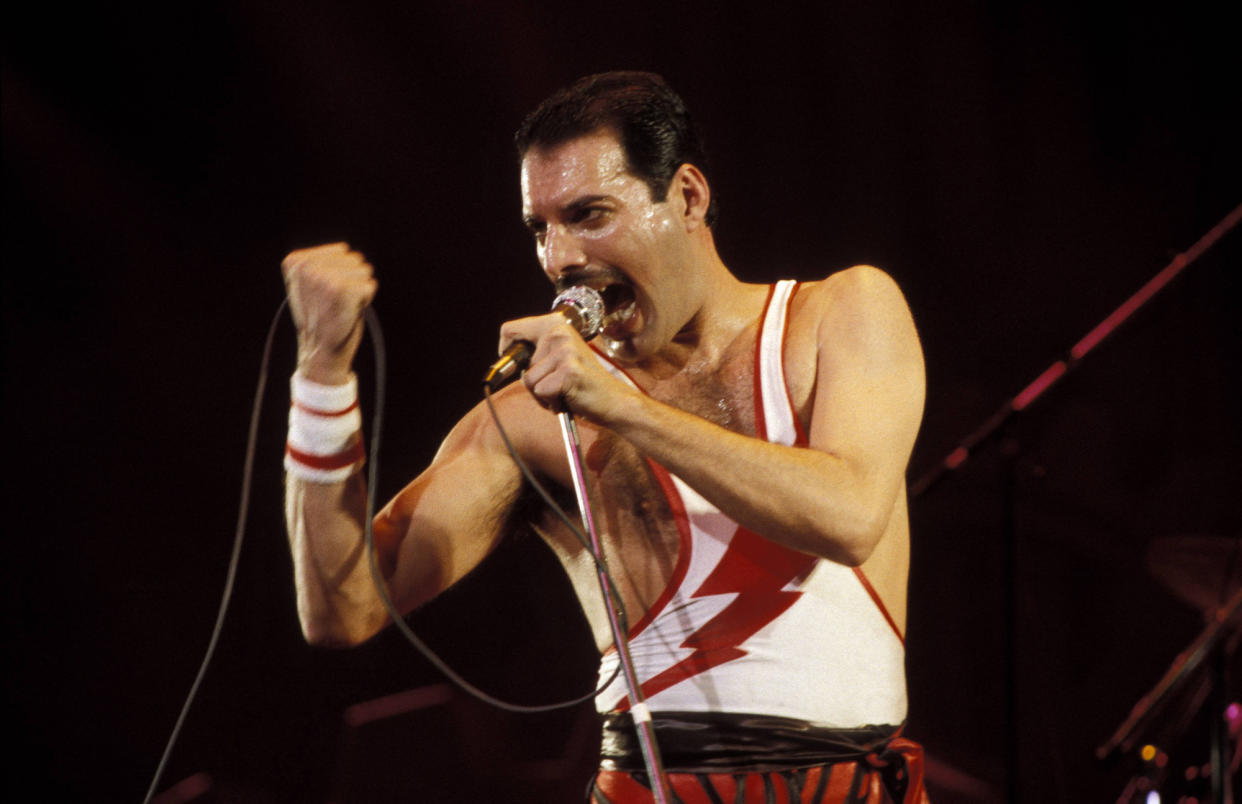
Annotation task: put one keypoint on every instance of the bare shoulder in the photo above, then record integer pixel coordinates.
(853, 319)
(531, 430)
(473, 472)
(857, 291)
(857, 308)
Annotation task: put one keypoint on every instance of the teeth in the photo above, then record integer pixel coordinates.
(619, 315)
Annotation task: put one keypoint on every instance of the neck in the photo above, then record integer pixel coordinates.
(727, 307)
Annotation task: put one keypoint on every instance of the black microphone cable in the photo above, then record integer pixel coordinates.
(238, 534)
(373, 327)
(377, 420)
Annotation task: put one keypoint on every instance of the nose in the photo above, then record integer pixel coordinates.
(561, 253)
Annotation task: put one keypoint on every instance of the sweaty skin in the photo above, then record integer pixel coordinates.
(684, 329)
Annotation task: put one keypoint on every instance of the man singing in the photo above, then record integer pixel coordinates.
(746, 452)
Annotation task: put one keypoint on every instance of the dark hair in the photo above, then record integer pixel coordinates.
(649, 119)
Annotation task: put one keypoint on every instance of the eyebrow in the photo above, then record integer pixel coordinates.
(530, 221)
(585, 201)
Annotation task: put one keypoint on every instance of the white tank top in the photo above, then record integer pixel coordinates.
(748, 626)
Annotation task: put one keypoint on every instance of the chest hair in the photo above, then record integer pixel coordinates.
(632, 514)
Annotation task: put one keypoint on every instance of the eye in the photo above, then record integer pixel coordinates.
(537, 229)
(589, 215)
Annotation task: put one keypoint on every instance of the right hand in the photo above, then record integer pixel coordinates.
(329, 287)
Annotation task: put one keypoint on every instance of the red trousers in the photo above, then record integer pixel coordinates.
(867, 781)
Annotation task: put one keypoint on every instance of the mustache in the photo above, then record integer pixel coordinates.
(597, 278)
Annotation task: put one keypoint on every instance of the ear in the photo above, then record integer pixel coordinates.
(690, 190)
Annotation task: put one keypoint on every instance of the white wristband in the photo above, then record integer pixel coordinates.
(325, 443)
(324, 398)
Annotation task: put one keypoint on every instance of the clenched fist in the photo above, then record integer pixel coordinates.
(329, 287)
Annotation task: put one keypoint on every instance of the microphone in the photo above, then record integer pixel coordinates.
(581, 306)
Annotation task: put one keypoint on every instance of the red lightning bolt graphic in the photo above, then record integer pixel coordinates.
(754, 569)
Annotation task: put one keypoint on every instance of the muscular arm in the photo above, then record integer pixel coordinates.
(427, 538)
(834, 499)
(432, 533)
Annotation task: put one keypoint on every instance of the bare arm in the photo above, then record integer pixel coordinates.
(834, 499)
(434, 531)
(427, 538)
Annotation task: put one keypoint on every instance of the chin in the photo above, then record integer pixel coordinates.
(613, 348)
(622, 349)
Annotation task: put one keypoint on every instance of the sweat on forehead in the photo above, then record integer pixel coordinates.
(559, 180)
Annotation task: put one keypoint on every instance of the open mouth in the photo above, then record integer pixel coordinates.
(620, 304)
(620, 299)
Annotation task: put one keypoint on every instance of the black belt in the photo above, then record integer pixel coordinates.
(707, 742)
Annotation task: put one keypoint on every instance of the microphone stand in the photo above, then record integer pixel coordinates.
(1027, 396)
(638, 707)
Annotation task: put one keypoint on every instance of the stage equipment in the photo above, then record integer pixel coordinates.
(1216, 642)
(1206, 573)
(1009, 450)
(1027, 396)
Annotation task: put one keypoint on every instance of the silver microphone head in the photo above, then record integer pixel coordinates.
(584, 307)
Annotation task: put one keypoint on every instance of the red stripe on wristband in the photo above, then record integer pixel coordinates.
(318, 412)
(340, 460)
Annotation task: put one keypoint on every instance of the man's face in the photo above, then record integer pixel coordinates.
(595, 224)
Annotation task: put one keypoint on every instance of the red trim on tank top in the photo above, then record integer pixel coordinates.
(678, 509)
(684, 548)
(879, 604)
(677, 506)
(761, 422)
(801, 439)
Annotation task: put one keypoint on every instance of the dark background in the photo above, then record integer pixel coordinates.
(1020, 169)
